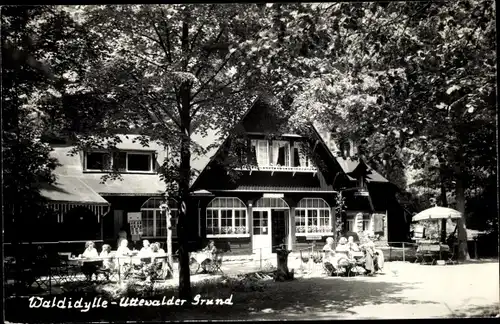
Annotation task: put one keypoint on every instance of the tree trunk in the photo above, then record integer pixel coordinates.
(185, 171)
(444, 200)
(169, 237)
(463, 252)
(282, 273)
(185, 167)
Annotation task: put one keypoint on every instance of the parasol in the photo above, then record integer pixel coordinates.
(437, 213)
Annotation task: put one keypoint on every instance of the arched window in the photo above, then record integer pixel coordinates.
(227, 216)
(313, 216)
(154, 221)
(275, 203)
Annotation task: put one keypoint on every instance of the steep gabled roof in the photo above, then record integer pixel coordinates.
(350, 165)
(201, 162)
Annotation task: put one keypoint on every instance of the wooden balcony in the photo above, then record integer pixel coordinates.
(278, 168)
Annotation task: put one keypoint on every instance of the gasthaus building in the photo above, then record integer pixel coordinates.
(284, 194)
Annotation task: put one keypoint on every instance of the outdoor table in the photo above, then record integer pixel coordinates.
(432, 249)
(201, 256)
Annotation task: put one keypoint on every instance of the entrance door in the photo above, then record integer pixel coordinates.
(261, 238)
(279, 228)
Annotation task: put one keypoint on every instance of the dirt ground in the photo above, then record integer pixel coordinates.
(404, 291)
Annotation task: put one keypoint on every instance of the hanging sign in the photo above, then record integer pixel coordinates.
(135, 222)
(313, 238)
(362, 193)
(273, 195)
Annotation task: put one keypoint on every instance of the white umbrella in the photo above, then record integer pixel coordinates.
(437, 213)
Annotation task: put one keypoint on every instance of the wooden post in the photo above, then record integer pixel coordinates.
(169, 239)
(260, 258)
(164, 207)
(475, 248)
(403, 251)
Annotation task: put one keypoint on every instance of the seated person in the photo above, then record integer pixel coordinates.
(352, 246)
(123, 251)
(106, 253)
(328, 248)
(339, 258)
(211, 252)
(160, 250)
(368, 247)
(107, 264)
(90, 252)
(146, 249)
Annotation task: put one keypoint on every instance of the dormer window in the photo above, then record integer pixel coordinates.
(121, 161)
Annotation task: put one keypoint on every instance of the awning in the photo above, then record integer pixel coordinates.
(69, 192)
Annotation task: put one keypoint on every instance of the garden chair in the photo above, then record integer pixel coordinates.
(194, 266)
(453, 254)
(214, 265)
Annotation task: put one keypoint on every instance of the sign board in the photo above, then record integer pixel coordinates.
(313, 238)
(133, 217)
(362, 193)
(273, 195)
(135, 222)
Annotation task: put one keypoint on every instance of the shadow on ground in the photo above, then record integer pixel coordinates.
(304, 298)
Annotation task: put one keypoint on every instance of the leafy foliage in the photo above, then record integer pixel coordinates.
(38, 49)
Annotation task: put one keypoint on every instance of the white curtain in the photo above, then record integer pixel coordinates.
(302, 155)
(276, 150)
(262, 153)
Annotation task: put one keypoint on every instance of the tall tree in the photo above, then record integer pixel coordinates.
(421, 87)
(169, 70)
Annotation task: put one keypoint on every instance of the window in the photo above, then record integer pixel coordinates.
(260, 226)
(300, 158)
(138, 162)
(366, 222)
(227, 216)
(98, 161)
(154, 220)
(350, 225)
(280, 153)
(121, 161)
(261, 149)
(312, 216)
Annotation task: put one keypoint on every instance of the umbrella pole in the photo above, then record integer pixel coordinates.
(443, 230)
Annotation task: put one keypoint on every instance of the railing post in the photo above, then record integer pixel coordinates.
(260, 253)
(390, 253)
(403, 251)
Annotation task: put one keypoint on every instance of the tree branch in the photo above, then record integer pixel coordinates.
(168, 36)
(200, 28)
(212, 99)
(166, 49)
(207, 53)
(157, 99)
(213, 76)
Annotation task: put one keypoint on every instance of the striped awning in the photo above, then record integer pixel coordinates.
(61, 208)
(69, 192)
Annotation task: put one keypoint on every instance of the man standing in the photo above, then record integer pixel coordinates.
(122, 235)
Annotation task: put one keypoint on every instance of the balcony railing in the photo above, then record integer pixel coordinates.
(278, 168)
